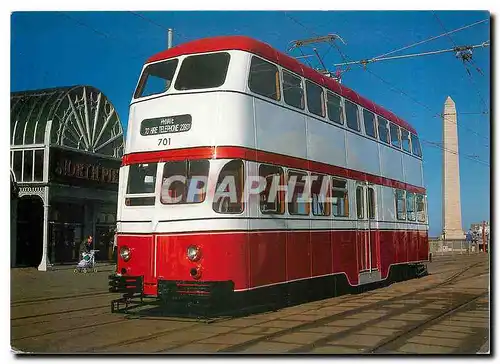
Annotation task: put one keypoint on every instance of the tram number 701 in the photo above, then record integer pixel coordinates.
(164, 141)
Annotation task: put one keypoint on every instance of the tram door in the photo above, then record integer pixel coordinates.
(366, 234)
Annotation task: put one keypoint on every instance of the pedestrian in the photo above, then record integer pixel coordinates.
(86, 245)
(468, 239)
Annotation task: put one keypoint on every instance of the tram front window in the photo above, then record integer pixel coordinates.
(141, 181)
(203, 71)
(156, 78)
(184, 182)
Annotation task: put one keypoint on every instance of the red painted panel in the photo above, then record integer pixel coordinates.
(344, 254)
(402, 247)
(223, 257)
(321, 253)
(141, 257)
(412, 245)
(262, 258)
(298, 255)
(267, 258)
(375, 248)
(387, 251)
(423, 245)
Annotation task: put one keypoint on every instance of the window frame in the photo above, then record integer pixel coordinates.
(290, 73)
(187, 184)
(241, 202)
(321, 97)
(362, 205)
(372, 207)
(346, 102)
(307, 204)
(403, 213)
(345, 198)
(277, 83)
(326, 205)
(413, 195)
(424, 210)
(416, 145)
(391, 124)
(280, 195)
(341, 105)
(375, 126)
(388, 132)
(194, 89)
(402, 131)
(143, 79)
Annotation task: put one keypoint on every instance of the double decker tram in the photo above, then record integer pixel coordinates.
(226, 136)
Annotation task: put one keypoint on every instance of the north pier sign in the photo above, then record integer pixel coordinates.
(81, 169)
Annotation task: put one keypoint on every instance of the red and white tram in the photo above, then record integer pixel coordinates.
(234, 106)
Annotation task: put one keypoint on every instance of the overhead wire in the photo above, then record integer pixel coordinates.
(430, 39)
(430, 143)
(466, 68)
(149, 20)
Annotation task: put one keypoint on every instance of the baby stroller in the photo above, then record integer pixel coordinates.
(87, 263)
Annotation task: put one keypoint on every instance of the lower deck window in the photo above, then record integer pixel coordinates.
(298, 205)
(228, 198)
(319, 195)
(340, 199)
(184, 182)
(400, 205)
(271, 200)
(141, 180)
(420, 205)
(360, 203)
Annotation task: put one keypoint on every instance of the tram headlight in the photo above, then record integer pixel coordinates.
(125, 253)
(193, 253)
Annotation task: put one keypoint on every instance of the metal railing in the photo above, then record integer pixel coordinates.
(455, 247)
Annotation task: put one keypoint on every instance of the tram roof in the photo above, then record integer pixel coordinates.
(266, 51)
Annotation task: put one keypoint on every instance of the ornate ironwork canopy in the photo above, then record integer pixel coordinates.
(82, 118)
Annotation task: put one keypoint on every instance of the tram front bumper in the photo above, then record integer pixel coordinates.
(128, 285)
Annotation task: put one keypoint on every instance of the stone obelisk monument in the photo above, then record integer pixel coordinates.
(452, 213)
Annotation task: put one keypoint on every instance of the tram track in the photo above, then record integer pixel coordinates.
(48, 299)
(234, 348)
(336, 316)
(387, 343)
(266, 337)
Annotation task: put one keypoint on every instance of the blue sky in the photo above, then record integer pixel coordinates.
(107, 50)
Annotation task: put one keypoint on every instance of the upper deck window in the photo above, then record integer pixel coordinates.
(203, 71)
(351, 113)
(315, 103)
(156, 78)
(383, 131)
(395, 137)
(292, 90)
(334, 105)
(405, 139)
(416, 145)
(369, 119)
(264, 79)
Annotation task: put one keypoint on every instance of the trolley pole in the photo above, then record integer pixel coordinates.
(170, 38)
